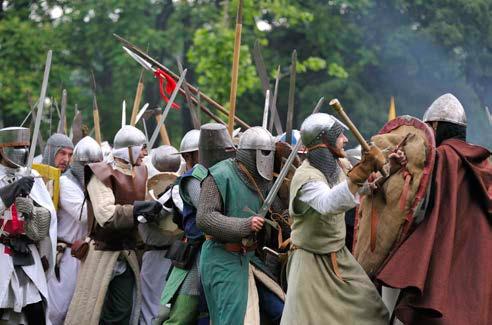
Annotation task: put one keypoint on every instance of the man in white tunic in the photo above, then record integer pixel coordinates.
(27, 217)
(72, 226)
(159, 236)
(326, 285)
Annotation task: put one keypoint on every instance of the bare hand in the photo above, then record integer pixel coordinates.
(397, 159)
(257, 223)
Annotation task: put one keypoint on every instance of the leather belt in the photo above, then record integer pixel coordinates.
(235, 247)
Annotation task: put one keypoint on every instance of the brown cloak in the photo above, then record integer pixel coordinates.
(444, 268)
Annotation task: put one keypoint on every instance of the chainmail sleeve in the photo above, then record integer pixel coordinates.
(211, 220)
(192, 186)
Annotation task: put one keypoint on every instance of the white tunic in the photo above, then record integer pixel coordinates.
(15, 294)
(72, 225)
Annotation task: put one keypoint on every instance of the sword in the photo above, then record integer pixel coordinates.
(166, 110)
(39, 114)
(278, 182)
(62, 125)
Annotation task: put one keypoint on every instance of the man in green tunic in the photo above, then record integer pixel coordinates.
(183, 290)
(325, 283)
(229, 197)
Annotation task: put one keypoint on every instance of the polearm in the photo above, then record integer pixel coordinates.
(194, 114)
(137, 100)
(95, 111)
(266, 108)
(292, 91)
(274, 102)
(144, 59)
(235, 67)
(318, 105)
(166, 110)
(39, 112)
(262, 73)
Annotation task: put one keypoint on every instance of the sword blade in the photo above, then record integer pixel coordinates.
(39, 114)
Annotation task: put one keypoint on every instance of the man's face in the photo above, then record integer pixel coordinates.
(340, 144)
(62, 158)
(141, 156)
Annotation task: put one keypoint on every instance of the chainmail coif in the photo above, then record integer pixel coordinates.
(323, 159)
(77, 170)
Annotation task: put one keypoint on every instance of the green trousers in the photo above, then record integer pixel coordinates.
(118, 303)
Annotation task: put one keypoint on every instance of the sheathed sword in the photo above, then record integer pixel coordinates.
(39, 112)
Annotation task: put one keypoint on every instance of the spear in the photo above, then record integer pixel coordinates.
(194, 115)
(235, 66)
(151, 64)
(95, 110)
(275, 116)
(262, 73)
(292, 90)
(138, 99)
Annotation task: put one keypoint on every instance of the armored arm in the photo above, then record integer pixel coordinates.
(37, 219)
(213, 222)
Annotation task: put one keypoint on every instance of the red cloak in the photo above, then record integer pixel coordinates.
(444, 267)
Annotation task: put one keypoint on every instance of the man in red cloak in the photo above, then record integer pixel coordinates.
(444, 268)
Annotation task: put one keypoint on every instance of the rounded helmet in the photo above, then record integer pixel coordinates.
(262, 142)
(165, 159)
(14, 145)
(446, 108)
(189, 143)
(128, 143)
(129, 136)
(87, 150)
(315, 126)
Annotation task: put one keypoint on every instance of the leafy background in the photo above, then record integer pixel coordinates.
(360, 51)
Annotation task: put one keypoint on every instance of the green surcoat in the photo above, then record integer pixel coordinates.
(225, 274)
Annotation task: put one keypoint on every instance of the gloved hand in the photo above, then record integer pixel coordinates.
(372, 160)
(148, 209)
(24, 205)
(21, 187)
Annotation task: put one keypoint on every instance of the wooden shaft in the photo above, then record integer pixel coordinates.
(136, 102)
(195, 91)
(338, 107)
(162, 131)
(97, 126)
(235, 68)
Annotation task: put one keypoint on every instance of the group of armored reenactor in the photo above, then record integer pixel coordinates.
(159, 236)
